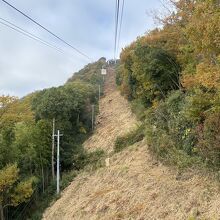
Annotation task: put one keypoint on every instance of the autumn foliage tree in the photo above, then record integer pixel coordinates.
(189, 37)
(13, 191)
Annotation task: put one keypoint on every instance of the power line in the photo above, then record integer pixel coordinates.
(116, 5)
(29, 35)
(116, 25)
(23, 33)
(46, 29)
(121, 19)
(33, 38)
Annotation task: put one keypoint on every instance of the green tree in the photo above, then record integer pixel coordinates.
(70, 105)
(149, 72)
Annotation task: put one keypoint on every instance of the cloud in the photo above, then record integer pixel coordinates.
(26, 65)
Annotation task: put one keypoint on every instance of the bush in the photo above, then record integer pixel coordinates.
(67, 178)
(118, 77)
(167, 125)
(159, 141)
(181, 160)
(197, 104)
(209, 141)
(94, 160)
(90, 160)
(163, 146)
(138, 109)
(129, 139)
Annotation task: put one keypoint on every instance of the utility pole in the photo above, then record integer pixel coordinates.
(93, 111)
(58, 160)
(53, 146)
(99, 92)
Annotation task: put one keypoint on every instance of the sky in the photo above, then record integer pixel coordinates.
(88, 25)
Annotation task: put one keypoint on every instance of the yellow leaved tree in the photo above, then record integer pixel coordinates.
(13, 191)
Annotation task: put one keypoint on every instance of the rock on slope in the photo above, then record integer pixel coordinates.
(134, 186)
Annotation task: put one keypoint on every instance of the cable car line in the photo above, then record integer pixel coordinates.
(119, 12)
(120, 26)
(116, 26)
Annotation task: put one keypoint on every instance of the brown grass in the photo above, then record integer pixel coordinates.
(134, 186)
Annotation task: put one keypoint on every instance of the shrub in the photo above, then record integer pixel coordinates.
(95, 159)
(197, 104)
(129, 139)
(67, 178)
(118, 77)
(163, 146)
(209, 142)
(159, 141)
(167, 124)
(138, 109)
(90, 160)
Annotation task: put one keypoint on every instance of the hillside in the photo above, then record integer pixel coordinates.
(115, 118)
(26, 129)
(134, 186)
(90, 73)
(142, 142)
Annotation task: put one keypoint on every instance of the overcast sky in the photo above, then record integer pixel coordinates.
(27, 66)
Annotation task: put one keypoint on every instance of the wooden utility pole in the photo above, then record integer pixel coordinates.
(53, 147)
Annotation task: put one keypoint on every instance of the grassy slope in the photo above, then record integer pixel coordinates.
(135, 185)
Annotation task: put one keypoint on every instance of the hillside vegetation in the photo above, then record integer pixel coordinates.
(131, 183)
(172, 77)
(90, 73)
(26, 183)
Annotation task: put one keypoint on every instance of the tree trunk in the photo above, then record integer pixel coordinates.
(1, 212)
(43, 181)
(42, 174)
(47, 177)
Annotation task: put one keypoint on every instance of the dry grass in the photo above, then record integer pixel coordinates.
(134, 186)
(115, 119)
(101, 192)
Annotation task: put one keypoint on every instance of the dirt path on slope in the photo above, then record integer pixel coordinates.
(134, 186)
